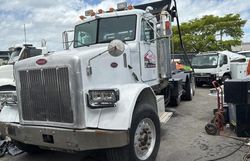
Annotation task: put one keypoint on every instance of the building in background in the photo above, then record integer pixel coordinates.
(243, 47)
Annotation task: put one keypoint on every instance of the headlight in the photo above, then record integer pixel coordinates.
(103, 98)
(8, 97)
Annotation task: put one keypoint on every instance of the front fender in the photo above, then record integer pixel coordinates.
(120, 117)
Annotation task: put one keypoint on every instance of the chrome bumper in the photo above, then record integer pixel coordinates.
(65, 139)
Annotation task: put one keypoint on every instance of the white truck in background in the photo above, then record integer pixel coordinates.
(108, 92)
(4, 57)
(219, 66)
(18, 53)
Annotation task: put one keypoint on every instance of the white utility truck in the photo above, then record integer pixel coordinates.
(108, 92)
(216, 66)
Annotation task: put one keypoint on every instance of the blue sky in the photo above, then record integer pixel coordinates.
(47, 19)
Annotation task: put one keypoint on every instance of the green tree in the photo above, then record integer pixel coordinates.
(210, 33)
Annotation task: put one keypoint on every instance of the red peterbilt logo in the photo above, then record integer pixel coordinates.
(41, 61)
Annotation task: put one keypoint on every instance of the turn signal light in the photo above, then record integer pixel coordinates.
(111, 9)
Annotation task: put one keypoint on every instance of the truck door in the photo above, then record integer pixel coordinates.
(148, 52)
(224, 65)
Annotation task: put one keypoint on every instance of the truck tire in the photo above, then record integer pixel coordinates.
(175, 101)
(189, 91)
(199, 84)
(144, 137)
(30, 149)
(224, 78)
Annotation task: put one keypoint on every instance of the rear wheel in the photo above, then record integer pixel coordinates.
(189, 91)
(144, 137)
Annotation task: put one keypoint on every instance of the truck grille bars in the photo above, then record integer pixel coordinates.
(45, 95)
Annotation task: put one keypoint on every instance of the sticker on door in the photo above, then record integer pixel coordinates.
(150, 60)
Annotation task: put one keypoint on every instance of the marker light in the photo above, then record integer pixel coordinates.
(111, 9)
(93, 13)
(130, 7)
(82, 17)
(88, 12)
(122, 6)
(100, 11)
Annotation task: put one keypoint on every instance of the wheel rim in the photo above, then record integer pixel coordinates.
(145, 138)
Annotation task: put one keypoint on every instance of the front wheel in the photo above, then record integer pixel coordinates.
(144, 137)
(224, 78)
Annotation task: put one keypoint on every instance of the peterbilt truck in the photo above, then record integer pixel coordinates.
(108, 92)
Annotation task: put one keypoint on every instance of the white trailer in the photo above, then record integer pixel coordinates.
(108, 92)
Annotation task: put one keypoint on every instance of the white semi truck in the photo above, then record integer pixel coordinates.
(219, 66)
(108, 92)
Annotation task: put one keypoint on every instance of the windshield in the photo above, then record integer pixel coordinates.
(105, 30)
(15, 55)
(205, 61)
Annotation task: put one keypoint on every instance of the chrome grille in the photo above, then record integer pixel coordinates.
(45, 95)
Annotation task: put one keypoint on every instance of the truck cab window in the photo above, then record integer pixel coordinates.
(223, 60)
(147, 31)
(35, 52)
(85, 34)
(14, 55)
(122, 28)
(104, 30)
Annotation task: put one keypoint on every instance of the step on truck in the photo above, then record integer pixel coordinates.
(108, 92)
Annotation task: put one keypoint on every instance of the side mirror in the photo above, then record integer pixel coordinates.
(116, 48)
(65, 38)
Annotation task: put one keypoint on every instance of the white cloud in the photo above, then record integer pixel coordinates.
(47, 19)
